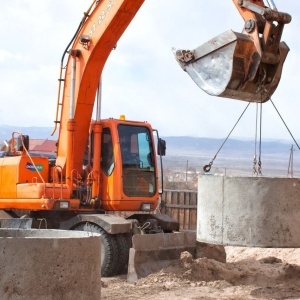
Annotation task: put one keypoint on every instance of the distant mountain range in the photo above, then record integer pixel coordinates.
(184, 144)
(236, 157)
(176, 144)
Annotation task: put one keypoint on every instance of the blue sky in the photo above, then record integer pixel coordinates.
(141, 78)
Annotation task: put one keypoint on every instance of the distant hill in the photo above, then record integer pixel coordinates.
(175, 144)
(189, 145)
(235, 158)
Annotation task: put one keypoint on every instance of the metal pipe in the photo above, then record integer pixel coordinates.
(99, 100)
(273, 6)
(72, 94)
(97, 160)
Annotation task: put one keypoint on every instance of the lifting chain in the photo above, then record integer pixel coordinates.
(257, 171)
(207, 167)
(257, 164)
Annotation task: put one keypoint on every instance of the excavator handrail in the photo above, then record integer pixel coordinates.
(60, 80)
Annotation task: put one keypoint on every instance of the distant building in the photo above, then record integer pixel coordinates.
(45, 146)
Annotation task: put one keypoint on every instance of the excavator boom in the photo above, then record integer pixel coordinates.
(245, 66)
(101, 29)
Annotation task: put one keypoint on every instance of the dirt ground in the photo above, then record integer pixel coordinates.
(249, 273)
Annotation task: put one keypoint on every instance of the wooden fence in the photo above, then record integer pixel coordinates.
(182, 206)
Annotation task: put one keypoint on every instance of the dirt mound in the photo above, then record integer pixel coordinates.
(249, 273)
(265, 272)
(288, 255)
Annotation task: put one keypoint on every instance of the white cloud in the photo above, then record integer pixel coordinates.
(8, 58)
(141, 78)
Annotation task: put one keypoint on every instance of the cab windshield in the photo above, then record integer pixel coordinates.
(138, 162)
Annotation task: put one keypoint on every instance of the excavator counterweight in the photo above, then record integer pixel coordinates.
(245, 66)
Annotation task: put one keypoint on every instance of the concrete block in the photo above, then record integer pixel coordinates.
(49, 265)
(23, 223)
(249, 211)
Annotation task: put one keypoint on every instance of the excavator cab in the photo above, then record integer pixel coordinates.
(245, 66)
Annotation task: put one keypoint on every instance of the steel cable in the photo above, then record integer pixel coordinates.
(284, 124)
(207, 168)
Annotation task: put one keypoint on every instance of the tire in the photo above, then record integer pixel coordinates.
(123, 254)
(109, 248)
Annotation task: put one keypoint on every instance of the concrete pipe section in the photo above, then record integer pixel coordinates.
(49, 264)
(249, 211)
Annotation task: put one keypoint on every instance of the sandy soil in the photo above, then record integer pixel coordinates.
(249, 273)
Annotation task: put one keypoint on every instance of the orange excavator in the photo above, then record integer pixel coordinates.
(105, 166)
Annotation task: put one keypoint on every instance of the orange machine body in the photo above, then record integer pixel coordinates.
(79, 180)
(30, 183)
(24, 183)
(126, 187)
(16, 170)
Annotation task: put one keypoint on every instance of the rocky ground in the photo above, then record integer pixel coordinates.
(249, 273)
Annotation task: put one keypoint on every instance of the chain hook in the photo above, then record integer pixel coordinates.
(207, 168)
(254, 166)
(259, 167)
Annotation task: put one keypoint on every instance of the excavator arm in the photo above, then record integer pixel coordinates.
(100, 29)
(245, 66)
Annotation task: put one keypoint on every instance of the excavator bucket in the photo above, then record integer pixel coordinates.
(245, 66)
(231, 66)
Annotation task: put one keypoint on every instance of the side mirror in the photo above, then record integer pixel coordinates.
(161, 147)
(25, 142)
